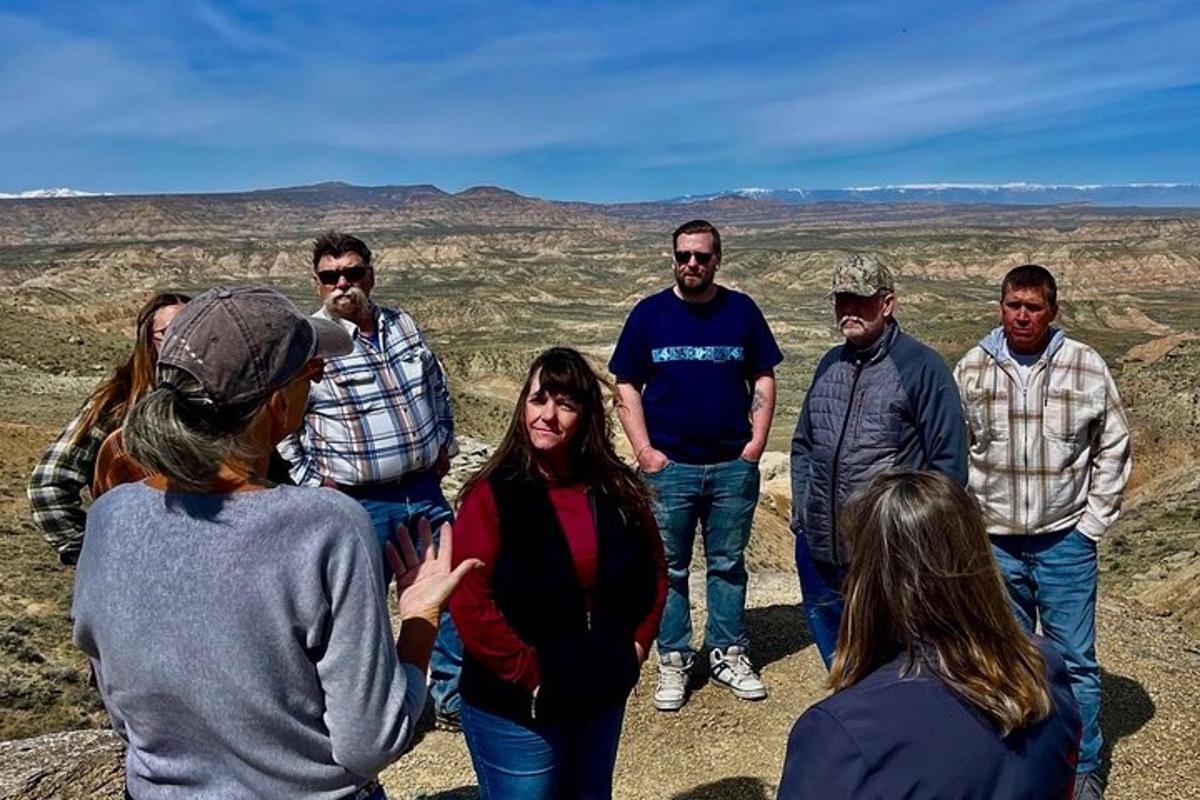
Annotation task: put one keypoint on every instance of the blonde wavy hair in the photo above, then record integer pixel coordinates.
(922, 582)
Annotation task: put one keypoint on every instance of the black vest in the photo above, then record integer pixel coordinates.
(586, 659)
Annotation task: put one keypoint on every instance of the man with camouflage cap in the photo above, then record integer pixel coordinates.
(881, 400)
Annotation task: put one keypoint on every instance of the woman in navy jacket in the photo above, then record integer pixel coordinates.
(938, 693)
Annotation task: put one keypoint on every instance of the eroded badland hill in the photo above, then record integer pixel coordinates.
(494, 278)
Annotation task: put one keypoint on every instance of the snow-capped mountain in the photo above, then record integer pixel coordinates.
(1128, 194)
(37, 194)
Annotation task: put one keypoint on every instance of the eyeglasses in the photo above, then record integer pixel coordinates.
(330, 277)
(685, 256)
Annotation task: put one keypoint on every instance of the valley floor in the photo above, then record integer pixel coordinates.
(720, 747)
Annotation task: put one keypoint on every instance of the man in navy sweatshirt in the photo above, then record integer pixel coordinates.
(695, 367)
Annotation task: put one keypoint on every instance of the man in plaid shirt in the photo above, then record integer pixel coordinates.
(1049, 458)
(379, 426)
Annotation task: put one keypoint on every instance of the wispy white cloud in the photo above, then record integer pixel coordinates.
(231, 32)
(1027, 67)
(658, 89)
(64, 87)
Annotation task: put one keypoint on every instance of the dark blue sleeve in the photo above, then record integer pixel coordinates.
(764, 352)
(630, 360)
(823, 762)
(937, 409)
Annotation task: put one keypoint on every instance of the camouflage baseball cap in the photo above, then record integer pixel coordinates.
(862, 275)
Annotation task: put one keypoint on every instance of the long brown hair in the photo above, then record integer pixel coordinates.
(922, 581)
(129, 381)
(594, 462)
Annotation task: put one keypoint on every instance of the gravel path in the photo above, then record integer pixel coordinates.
(721, 747)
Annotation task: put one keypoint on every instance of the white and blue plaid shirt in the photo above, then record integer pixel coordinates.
(380, 412)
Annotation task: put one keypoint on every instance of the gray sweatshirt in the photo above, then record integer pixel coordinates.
(242, 642)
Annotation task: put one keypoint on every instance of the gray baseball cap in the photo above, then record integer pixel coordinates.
(243, 342)
(863, 275)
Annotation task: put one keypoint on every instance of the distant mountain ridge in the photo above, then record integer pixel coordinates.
(1123, 195)
(295, 212)
(288, 212)
(1147, 195)
(41, 194)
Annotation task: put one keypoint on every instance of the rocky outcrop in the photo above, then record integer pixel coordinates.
(63, 766)
(1150, 352)
(472, 454)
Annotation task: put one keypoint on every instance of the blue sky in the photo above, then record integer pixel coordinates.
(595, 101)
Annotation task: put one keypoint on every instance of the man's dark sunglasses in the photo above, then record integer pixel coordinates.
(330, 277)
(685, 256)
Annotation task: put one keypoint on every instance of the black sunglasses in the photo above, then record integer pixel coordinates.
(330, 277)
(684, 256)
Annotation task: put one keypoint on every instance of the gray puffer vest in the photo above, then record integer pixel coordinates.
(891, 405)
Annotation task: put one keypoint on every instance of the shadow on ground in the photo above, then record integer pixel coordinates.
(468, 792)
(1125, 708)
(424, 725)
(727, 789)
(776, 632)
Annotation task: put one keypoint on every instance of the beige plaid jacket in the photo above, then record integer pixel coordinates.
(1050, 454)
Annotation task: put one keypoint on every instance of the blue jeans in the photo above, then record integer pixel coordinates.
(1052, 578)
(403, 503)
(821, 592)
(721, 498)
(542, 761)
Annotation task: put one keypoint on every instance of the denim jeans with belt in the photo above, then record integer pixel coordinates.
(405, 502)
(543, 761)
(1051, 579)
(721, 498)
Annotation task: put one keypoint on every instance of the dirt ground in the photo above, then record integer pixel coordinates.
(722, 747)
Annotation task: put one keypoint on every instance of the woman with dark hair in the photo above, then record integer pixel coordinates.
(68, 465)
(938, 691)
(558, 623)
(238, 629)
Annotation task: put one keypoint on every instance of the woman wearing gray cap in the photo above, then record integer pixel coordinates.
(238, 630)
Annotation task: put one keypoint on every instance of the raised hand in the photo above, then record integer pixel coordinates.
(425, 580)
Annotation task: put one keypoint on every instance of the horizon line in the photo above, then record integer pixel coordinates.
(63, 192)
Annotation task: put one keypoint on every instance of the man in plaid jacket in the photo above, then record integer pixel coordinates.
(1049, 456)
(379, 425)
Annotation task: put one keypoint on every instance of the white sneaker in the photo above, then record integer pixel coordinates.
(671, 692)
(732, 670)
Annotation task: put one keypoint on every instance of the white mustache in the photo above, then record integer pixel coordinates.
(848, 318)
(353, 293)
(356, 297)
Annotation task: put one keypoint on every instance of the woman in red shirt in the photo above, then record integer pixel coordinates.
(557, 624)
